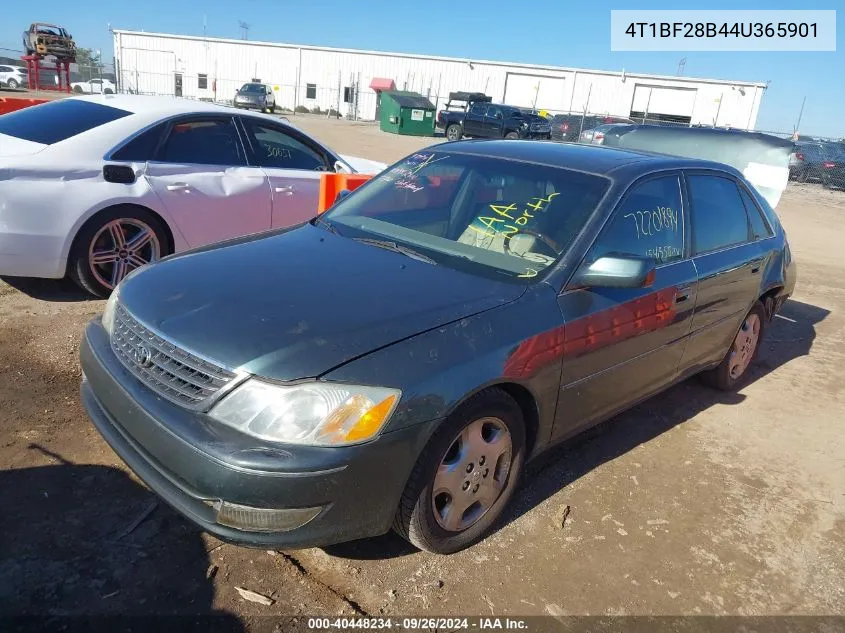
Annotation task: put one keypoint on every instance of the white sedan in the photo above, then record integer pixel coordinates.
(94, 86)
(94, 187)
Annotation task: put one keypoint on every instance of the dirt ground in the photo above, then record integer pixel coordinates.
(693, 503)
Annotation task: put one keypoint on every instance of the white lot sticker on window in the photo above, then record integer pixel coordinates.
(417, 115)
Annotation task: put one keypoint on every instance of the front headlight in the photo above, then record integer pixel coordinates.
(111, 306)
(316, 413)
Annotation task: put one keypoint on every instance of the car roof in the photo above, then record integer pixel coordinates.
(594, 159)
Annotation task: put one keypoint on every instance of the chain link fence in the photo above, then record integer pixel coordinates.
(345, 100)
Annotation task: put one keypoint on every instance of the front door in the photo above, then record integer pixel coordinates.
(729, 263)
(201, 176)
(623, 344)
(293, 164)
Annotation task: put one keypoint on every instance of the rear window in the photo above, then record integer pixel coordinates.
(58, 120)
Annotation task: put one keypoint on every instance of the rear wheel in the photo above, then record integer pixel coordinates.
(112, 245)
(13, 84)
(108, 91)
(511, 135)
(465, 476)
(732, 372)
(454, 132)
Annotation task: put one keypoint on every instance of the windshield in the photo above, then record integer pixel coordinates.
(478, 213)
(252, 88)
(834, 151)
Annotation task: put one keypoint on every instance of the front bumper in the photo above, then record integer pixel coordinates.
(192, 462)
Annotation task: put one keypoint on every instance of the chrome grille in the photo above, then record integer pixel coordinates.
(171, 372)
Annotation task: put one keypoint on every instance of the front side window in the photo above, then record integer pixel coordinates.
(58, 120)
(718, 215)
(203, 142)
(482, 214)
(648, 222)
(274, 147)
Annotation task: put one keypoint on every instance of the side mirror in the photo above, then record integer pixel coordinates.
(342, 168)
(616, 272)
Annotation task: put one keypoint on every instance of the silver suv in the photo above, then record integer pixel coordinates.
(255, 96)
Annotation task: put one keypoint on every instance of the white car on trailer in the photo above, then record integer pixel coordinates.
(94, 187)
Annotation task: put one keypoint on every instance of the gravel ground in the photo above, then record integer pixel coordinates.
(692, 503)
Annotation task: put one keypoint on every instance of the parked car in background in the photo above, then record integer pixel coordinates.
(13, 77)
(507, 296)
(568, 127)
(833, 165)
(805, 161)
(255, 96)
(492, 120)
(49, 39)
(94, 86)
(146, 177)
(595, 136)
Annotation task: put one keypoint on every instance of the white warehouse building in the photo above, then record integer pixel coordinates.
(348, 81)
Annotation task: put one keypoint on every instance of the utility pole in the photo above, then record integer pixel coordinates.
(800, 114)
(245, 27)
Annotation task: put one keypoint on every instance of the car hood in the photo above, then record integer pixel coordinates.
(364, 165)
(298, 303)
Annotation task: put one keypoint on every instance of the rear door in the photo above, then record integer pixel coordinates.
(293, 164)
(623, 344)
(493, 121)
(730, 260)
(474, 120)
(201, 175)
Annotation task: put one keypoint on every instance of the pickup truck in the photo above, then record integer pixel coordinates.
(492, 120)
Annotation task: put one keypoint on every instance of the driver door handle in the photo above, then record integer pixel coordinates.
(285, 190)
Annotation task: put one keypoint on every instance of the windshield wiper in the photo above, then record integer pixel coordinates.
(397, 248)
(331, 228)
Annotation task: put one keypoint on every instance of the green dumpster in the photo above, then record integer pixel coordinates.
(407, 113)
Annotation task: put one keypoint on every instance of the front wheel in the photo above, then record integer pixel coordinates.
(112, 245)
(465, 476)
(732, 372)
(454, 132)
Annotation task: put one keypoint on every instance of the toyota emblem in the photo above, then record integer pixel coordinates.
(142, 356)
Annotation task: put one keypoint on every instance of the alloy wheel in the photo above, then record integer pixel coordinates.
(744, 346)
(472, 474)
(119, 247)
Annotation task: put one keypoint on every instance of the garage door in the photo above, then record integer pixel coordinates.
(667, 104)
(527, 91)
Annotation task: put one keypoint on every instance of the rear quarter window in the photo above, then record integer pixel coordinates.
(58, 120)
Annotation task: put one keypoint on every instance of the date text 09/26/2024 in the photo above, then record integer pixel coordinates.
(418, 624)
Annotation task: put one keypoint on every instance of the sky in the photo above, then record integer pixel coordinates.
(572, 33)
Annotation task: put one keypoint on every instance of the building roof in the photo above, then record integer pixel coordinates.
(622, 73)
(410, 99)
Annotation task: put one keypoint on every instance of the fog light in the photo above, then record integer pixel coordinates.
(262, 519)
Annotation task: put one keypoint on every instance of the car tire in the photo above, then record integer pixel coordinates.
(98, 234)
(511, 136)
(13, 84)
(801, 176)
(454, 132)
(494, 421)
(108, 91)
(732, 372)
(77, 90)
